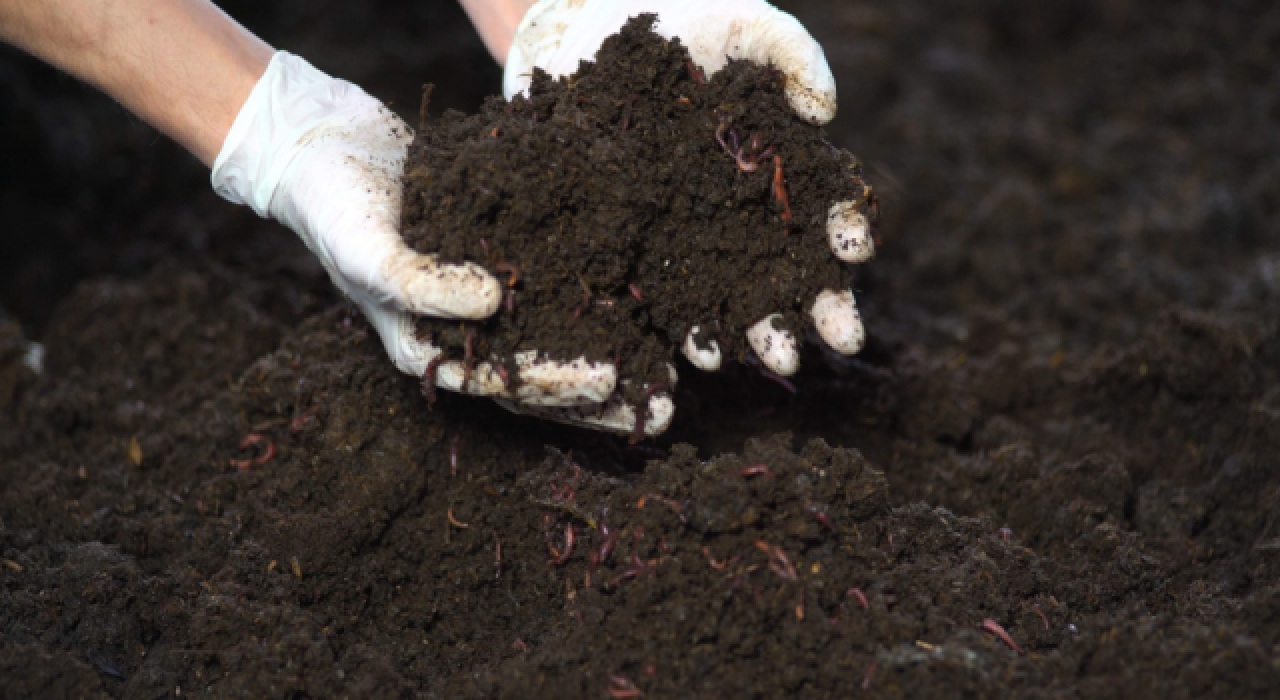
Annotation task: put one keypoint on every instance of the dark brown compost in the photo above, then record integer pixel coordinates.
(608, 203)
(1065, 421)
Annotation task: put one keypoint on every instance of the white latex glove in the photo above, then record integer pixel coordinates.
(556, 35)
(325, 159)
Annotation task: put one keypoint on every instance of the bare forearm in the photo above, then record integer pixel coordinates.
(496, 21)
(182, 65)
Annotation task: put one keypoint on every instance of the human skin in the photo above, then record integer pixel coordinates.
(183, 66)
(497, 21)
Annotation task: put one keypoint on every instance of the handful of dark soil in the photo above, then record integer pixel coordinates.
(613, 204)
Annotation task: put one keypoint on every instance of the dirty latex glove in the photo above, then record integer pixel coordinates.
(556, 34)
(325, 159)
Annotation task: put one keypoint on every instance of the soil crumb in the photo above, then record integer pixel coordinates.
(610, 205)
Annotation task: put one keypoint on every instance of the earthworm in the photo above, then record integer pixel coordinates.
(993, 627)
(429, 379)
(717, 565)
(697, 75)
(568, 548)
(637, 567)
(778, 561)
(254, 439)
(755, 470)
(857, 593)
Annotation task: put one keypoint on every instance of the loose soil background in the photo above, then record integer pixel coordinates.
(1072, 336)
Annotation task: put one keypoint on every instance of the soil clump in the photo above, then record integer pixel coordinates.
(620, 221)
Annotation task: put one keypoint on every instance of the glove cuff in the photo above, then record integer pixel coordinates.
(290, 100)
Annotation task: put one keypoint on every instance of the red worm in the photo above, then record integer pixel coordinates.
(857, 593)
(568, 547)
(993, 627)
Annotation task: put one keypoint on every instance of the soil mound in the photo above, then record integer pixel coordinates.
(610, 204)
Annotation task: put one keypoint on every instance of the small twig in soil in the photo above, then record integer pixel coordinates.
(586, 298)
(427, 89)
(626, 110)
(453, 454)
(510, 269)
(993, 627)
(780, 188)
(1043, 619)
(454, 521)
(497, 555)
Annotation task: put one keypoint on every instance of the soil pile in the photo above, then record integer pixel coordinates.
(1066, 419)
(609, 203)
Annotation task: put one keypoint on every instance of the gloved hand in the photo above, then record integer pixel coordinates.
(556, 35)
(325, 159)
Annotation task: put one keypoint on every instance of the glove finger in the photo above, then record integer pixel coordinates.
(549, 383)
(701, 350)
(615, 415)
(836, 317)
(775, 346)
(849, 233)
(556, 34)
(421, 284)
(772, 38)
(395, 328)
(542, 382)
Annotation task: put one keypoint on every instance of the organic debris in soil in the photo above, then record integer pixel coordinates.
(608, 203)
